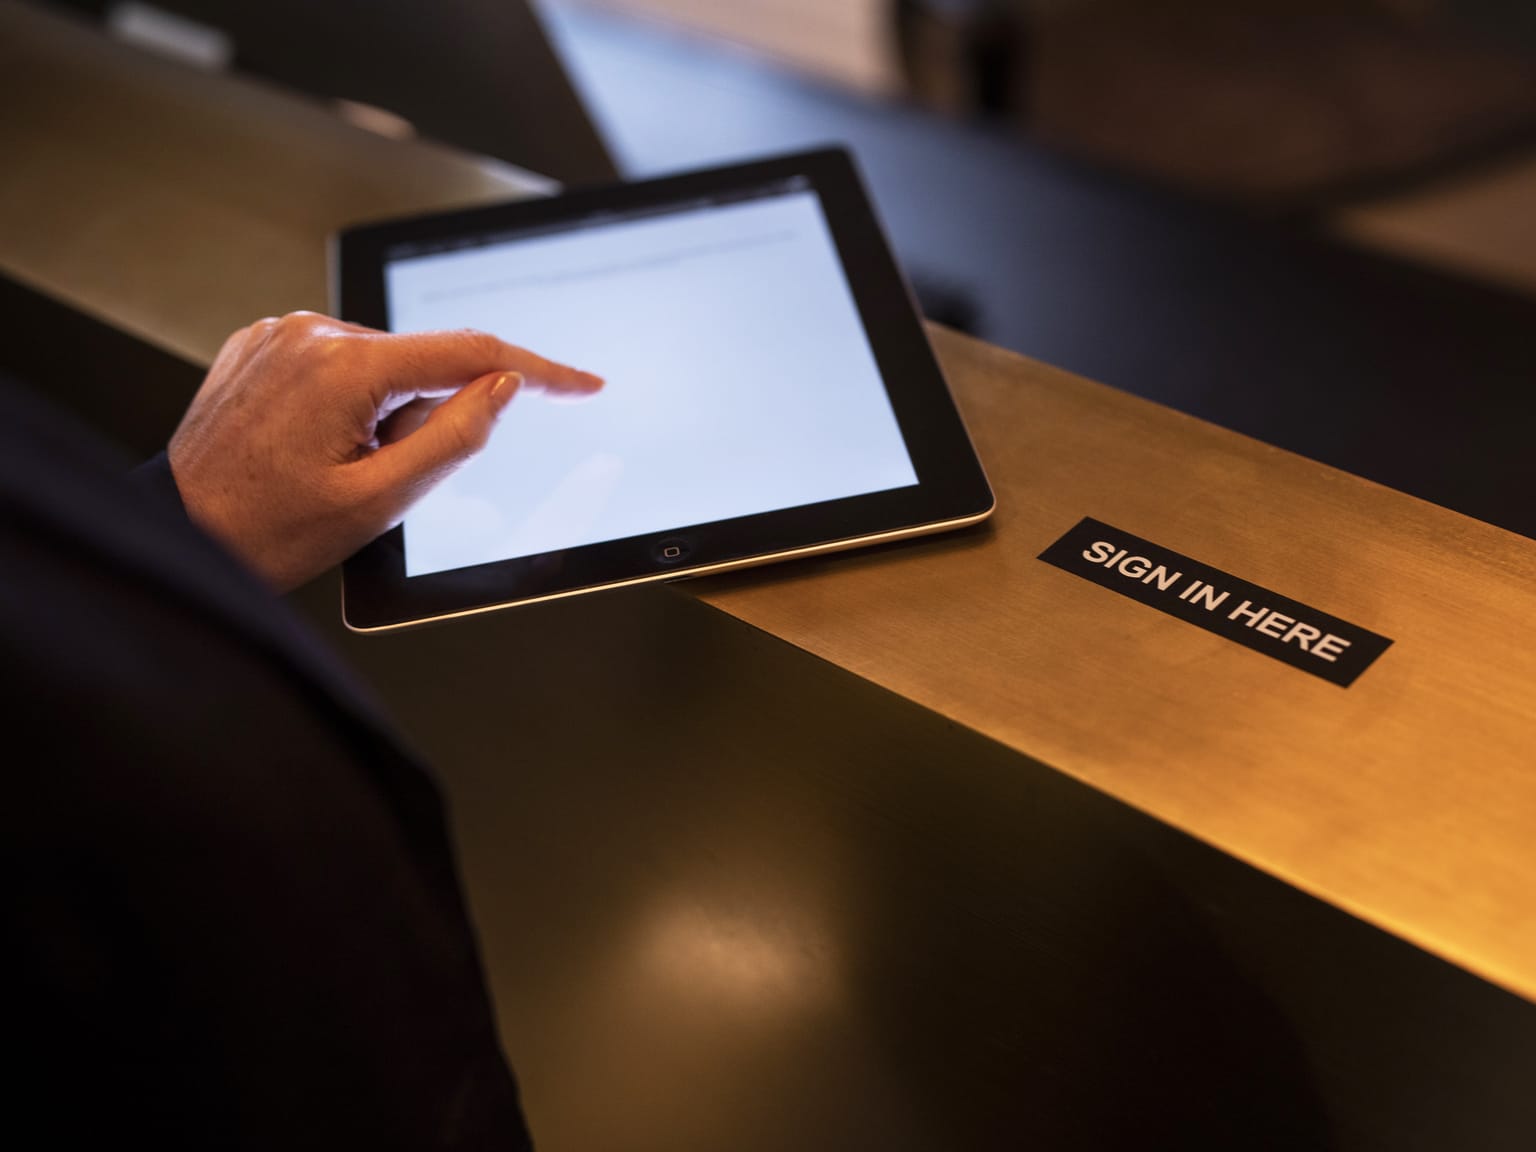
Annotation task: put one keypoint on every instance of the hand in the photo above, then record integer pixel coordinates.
(311, 436)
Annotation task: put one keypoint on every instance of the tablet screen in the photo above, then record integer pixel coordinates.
(740, 379)
(771, 391)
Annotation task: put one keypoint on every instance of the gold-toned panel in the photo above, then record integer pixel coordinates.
(181, 205)
(1408, 798)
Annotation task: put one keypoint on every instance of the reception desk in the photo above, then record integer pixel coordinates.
(1407, 797)
(933, 845)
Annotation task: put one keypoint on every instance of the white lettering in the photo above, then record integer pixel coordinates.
(1099, 551)
(1303, 634)
(1247, 610)
(1329, 647)
(1274, 624)
(1210, 598)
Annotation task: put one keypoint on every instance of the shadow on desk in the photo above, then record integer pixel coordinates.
(1412, 378)
(752, 901)
(731, 896)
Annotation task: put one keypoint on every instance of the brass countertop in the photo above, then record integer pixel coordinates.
(1408, 799)
(180, 205)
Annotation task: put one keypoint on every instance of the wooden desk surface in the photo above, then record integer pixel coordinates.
(180, 205)
(754, 900)
(758, 902)
(1408, 798)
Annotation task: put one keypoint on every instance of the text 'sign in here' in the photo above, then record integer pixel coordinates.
(1217, 601)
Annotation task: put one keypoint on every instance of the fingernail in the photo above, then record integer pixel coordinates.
(504, 389)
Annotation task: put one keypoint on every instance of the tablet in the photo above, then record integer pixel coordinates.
(770, 389)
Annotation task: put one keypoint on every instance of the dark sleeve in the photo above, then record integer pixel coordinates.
(236, 923)
(231, 914)
(155, 482)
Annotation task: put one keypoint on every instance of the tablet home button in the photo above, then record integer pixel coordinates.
(672, 549)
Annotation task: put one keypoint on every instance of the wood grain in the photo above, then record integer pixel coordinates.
(847, 43)
(1408, 799)
(181, 205)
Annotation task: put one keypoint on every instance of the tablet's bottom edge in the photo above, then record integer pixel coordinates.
(669, 576)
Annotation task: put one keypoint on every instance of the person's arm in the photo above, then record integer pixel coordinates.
(311, 436)
(155, 480)
(232, 915)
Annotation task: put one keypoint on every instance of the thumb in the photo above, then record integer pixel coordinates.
(457, 430)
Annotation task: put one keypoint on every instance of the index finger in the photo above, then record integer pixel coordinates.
(440, 363)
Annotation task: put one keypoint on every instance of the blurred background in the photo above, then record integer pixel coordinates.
(1311, 221)
(1404, 124)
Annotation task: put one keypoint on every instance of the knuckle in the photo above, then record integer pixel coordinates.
(479, 342)
(292, 324)
(310, 335)
(358, 502)
(468, 436)
(276, 331)
(303, 323)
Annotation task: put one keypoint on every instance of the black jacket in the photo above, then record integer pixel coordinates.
(230, 909)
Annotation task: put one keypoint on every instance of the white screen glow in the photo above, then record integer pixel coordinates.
(739, 380)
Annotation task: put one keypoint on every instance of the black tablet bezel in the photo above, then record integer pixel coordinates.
(952, 489)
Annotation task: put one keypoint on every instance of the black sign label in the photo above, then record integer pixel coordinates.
(1217, 601)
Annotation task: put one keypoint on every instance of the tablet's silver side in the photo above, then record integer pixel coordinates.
(685, 573)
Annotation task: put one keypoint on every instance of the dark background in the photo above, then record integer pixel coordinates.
(1023, 961)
